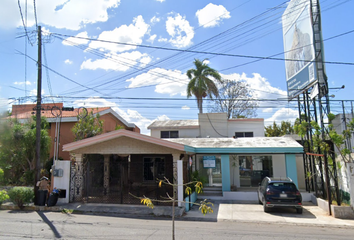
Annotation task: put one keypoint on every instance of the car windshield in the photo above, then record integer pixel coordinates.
(280, 186)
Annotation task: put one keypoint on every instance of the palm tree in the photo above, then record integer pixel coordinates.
(200, 84)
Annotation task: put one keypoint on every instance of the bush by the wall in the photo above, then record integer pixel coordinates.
(21, 196)
(1, 176)
(3, 196)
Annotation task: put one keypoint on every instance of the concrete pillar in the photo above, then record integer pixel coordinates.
(106, 174)
(180, 181)
(225, 173)
(290, 165)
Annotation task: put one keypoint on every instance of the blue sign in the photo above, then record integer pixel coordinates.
(209, 161)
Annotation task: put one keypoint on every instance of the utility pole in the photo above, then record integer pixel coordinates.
(38, 115)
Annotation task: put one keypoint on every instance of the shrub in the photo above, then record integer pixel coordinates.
(3, 196)
(1, 176)
(21, 196)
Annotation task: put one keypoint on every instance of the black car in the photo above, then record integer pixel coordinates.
(279, 192)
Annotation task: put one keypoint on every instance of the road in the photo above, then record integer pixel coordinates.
(51, 225)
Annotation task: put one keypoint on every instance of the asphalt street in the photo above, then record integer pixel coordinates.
(56, 225)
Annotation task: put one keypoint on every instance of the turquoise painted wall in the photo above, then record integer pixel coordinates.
(291, 170)
(225, 172)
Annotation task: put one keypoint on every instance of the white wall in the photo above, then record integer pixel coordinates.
(216, 125)
(279, 169)
(213, 125)
(64, 181)
(246, 125)
(182, 133)
(300, 171)
(339, 126)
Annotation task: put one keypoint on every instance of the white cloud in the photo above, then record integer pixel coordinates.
(154, 19)
(170, 82)
(212, 15)
(94, 102)
(160, 0)
(118, 62)
(132, 34)
(180, 31)
(260, 85)
(162, 39)
(68, 61)
(73, 14)
(131, 116)
(152, 38)
(162, 118)
(185, 107)
(23, 83)
(284, 114)
(33, 92)
(72, 41)
(267, 110)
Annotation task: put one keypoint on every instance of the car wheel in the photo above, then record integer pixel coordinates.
(299, 210)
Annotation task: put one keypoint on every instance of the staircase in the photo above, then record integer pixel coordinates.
(211, 191)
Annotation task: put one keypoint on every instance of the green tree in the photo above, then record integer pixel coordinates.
(276, 130)
(88, 125)
(320, 144)
(18, 149)
(235, 98)
(202, 83)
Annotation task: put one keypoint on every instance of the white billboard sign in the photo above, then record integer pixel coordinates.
(301, 71)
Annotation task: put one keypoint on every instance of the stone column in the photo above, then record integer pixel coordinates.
(78, 179)
(106, 174)
(175, 174)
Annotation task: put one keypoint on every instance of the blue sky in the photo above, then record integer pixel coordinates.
(84, 72)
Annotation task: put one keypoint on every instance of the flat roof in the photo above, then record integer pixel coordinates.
(174, 124)
(240, 145)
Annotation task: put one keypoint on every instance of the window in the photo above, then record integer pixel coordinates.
(252, 169)
(169, 134)
(154, 168)
(243, 134)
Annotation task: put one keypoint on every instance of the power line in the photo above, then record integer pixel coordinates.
(35, 13)
(60, 73)
(202, 52)
(23, 22)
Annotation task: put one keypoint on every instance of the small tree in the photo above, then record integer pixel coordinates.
(320, 145)
(235, 98)
(88, 125)
(275, 130)
(18, 149)
(204, 206)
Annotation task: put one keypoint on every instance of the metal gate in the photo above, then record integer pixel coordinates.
(120, 183)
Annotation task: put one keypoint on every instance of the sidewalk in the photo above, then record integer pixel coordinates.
(223, 211)
(242, 212)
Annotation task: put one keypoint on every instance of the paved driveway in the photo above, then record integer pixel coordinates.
(242, 212)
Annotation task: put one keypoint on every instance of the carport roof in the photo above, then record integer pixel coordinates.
(240, 145)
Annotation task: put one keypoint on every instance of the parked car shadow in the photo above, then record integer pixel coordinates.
(289, 212)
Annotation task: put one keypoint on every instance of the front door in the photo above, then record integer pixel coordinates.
(209, 168)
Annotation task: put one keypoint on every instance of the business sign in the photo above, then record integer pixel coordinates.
(209, 161)
(299, 48)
